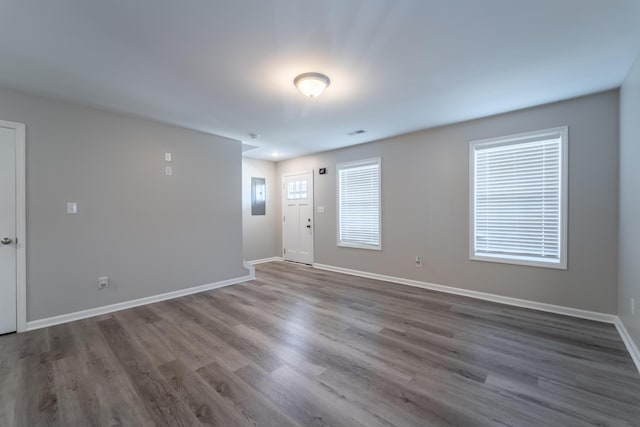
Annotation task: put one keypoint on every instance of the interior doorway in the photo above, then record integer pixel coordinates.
(12, 228)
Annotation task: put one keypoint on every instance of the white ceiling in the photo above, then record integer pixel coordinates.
(226, 67)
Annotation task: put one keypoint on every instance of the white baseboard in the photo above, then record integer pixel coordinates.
(558, 309)
(628, 341)
(70, 317)
(263, 260)
(251, 268)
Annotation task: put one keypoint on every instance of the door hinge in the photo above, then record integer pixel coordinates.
(284, 251)
(283, 218)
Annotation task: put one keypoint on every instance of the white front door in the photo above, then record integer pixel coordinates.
(297, 217)
(8, 256)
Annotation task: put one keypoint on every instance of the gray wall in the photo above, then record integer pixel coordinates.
(425, 206)
(148, 232)
(629, 241)
(260, 233)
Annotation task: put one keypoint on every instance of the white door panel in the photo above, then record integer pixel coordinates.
(290, 227)
(305, 213)
(8, 254)
(297, 229)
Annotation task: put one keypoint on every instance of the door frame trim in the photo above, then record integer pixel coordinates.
(313, 206)
(21, 224)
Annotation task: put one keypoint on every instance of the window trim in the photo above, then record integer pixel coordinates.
(346, 165)
(563, 133)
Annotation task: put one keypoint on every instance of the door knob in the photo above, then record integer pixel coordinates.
(6, 241)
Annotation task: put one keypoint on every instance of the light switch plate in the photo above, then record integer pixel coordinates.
(72, 208)
(320, 209)
(167, 157)
(168, 170)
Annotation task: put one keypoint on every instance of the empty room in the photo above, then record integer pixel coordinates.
(319, 213)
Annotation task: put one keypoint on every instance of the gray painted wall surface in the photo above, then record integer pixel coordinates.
(425, 206)
(260, 233)
(629, 249)
(148, 232)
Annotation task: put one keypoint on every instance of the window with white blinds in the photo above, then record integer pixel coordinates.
(359, 204)
(519, 199)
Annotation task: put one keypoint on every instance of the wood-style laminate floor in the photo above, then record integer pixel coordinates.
(305, 347)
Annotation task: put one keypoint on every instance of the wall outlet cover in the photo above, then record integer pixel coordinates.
(72, 208)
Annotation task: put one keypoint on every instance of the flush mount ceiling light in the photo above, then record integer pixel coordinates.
(311, 84)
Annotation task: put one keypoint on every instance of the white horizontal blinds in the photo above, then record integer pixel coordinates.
(359, 204)
(518, 199)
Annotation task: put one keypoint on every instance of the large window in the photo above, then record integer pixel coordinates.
(518, 189)
(359, 204)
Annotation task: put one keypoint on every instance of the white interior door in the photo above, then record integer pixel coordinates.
(8, 255)
(297, 217)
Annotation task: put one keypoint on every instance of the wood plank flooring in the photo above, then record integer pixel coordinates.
(305, 347)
